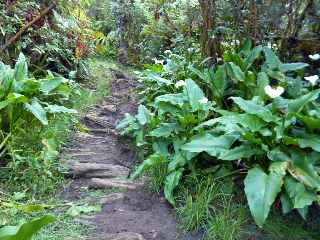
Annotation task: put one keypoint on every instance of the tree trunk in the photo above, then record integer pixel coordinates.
(124, 25)
(296, 15)
(209, 45)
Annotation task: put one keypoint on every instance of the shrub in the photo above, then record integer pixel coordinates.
(252, 114)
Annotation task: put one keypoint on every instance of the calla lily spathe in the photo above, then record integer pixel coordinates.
(315, 57)
(274, 92)
(312, 79)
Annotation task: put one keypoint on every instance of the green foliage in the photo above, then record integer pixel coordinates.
(197, 202)
(252, 109)
(21, 95)
(227, 220)
(58, 42)
(26, 230)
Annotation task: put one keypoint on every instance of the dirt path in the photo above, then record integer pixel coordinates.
(101, 159)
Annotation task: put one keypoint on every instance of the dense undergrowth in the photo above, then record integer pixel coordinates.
(34, 180)
(249, 123)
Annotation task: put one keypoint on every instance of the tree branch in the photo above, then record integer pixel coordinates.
(25, 27)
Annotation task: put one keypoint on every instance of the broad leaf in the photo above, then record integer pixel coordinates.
(253, 55)
(235, 72)
(37, 110)
(48, 86)
(310, 141)
(220, 81)
(241, 152)
(172, 181)
(296, 105)
(195, 95)
(262, 82)
(153, 161)
(21, 68)
(77, 210)
(271, 58)
(292, 66)
(60, 109)
(210, 144)
(164, 130)
(304, 170)
(251, 107)
(298, 193)
(159, 80)
(174, 99)
(27, 230)
(143, 115)
(262, 189)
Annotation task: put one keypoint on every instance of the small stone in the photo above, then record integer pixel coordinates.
(113, 183)
(110, 108)
(124, 236)
(111, 198)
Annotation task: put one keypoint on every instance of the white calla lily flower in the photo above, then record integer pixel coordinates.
(274, 92)
(168, 52)
(312, 79)
(315, 57)
(180, 83)
(203, 100)
(156, 61)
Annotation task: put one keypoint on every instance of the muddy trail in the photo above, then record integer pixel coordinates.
(102, 159)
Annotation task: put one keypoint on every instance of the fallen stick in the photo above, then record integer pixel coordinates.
(29, 24)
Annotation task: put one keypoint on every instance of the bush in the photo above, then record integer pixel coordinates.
(26, 106)
(253, 114)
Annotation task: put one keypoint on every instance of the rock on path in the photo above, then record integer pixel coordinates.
(102, 159)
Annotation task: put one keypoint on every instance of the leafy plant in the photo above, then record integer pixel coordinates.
(25, 231)
(262, 120)
(21, 95)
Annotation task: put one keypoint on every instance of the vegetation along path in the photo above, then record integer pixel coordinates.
(101, 159)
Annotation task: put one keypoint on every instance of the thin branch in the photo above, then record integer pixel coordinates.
(25, 27)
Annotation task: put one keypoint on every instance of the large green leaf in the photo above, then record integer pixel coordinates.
(296, 105)
(303, 169)
(298, 193)
(210, 144)
(251, 107)
(220, 81)
(159, 80)
(241, 152)
(310, 141)
(271, 58)
(245, 120)
(292, 66)
(262, 82)
(21, 68)
(48, 85)
(174, 99)
(195, 94)
(310, 122)
(262, 189)
(253, 55)
(171, 182)
(37, 110)
(164, 130)
(199, 73)
(152, 161)
(235, 72)
(26, 230)
(60, 109)
(143, 115)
